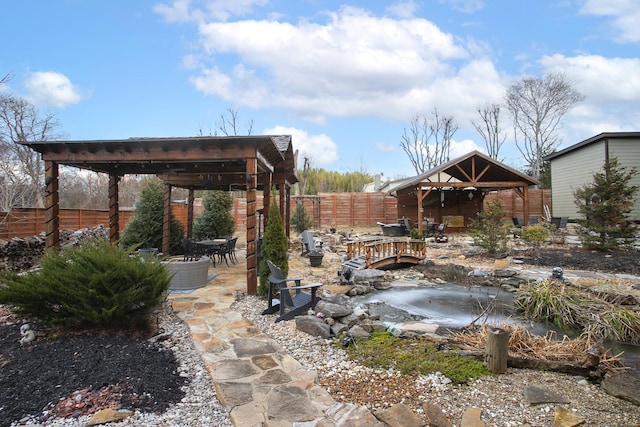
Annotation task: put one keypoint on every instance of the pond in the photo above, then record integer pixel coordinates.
(453, 306)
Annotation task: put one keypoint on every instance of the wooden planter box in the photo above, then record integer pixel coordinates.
(187, 274)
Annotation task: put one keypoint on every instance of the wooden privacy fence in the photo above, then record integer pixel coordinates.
(339, 210)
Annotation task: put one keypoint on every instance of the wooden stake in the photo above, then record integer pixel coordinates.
(497, 350)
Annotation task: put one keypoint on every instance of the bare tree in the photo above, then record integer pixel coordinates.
(229, 125)
(537, 106)
(417, 141)
(489, 128)
(83, 189)
(21, 122)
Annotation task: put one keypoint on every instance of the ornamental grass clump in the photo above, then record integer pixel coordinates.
(619, 324)
(94, 285)
(551, 301)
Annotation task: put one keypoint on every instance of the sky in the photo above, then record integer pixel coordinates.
(344, 79)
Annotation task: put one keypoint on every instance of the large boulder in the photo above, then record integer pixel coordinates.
(313, 326)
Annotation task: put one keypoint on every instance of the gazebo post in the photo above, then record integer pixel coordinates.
(52, 221)
(166, 220)
(190, 200)
(252, 268)
(114, 209)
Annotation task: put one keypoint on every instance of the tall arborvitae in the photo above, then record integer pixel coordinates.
(275, 247)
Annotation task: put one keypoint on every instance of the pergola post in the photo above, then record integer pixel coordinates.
(52, 225)
(287, 221)
(114, 209)
(166, 220)
(252, 267)
(190, 200)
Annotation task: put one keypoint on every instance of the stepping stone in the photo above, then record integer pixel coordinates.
(535, 395)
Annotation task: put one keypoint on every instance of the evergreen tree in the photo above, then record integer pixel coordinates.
(216, 220)
(275, 247)
(300, 220)
(489, 229)
(145, 228)
(605, 205)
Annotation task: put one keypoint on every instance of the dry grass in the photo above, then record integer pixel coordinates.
(527, 346)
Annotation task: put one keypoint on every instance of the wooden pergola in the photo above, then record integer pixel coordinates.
(475, 174)
(246, 163)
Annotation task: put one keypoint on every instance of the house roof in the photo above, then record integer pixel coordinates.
(473, 169)
(200, 162)
(597, 138)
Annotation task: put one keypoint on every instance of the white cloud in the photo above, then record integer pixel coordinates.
(465, 6)
(320, 149)
(460, 148)
(624, 14)
(611, 87)
(385, 148)
(354, 64)
(200, 10)
(50, 88)
(405, 9)
(600, 79)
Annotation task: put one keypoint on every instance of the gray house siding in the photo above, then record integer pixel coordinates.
(575, 166)
(571, 172)
(628, 155)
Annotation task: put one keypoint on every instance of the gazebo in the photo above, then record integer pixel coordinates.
(248, 163)
(454, 191)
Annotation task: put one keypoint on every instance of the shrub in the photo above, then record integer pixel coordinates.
(300, 220)
(96, 284)
(415, 234)
(489, 229)
(606, 205)
(275, 247)
(216, 220)
(537, 233)
(145, 228)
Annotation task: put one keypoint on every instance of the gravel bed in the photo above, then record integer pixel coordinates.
(500, 397)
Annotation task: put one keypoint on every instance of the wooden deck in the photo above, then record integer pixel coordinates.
(375, 252)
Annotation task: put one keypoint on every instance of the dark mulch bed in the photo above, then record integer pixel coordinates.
(624, 262)
(107, 370)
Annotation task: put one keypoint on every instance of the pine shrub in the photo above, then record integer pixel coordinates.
(275, 247)
(145, 228)
(606, 205)
(489, 229)
(216, 220)
(300, 220)
(96, 284)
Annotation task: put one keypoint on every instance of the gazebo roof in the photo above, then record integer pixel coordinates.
(206, 162)
(473, 169)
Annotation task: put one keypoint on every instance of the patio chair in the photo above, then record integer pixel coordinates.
(289, 305)
(227, 251)
(308, 241)
(441, 237)
(191, 250)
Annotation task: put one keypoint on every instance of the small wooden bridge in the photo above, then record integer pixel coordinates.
(378, 252)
